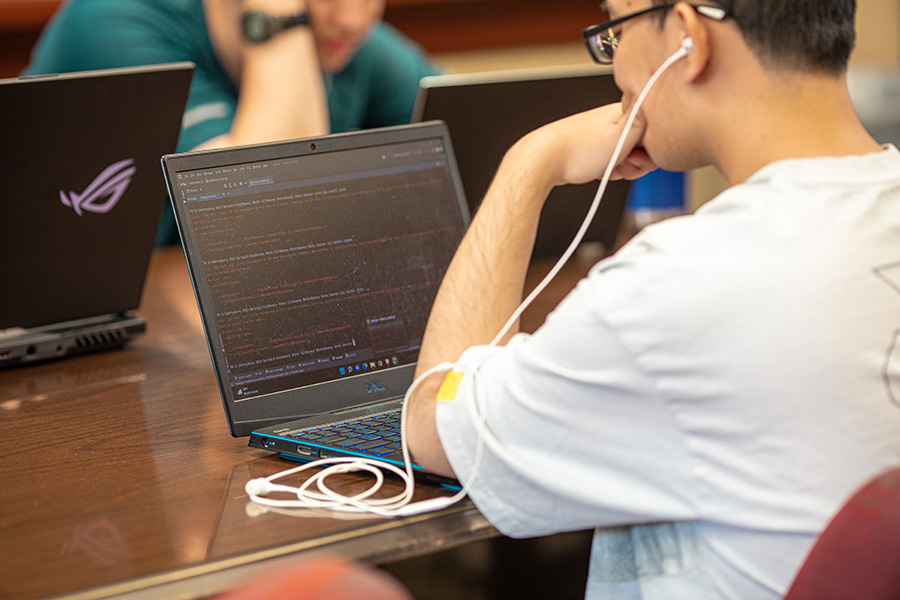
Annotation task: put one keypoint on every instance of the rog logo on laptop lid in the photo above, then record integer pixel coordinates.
(108, 186)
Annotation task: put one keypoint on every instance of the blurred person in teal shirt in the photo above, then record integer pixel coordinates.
(266, 70)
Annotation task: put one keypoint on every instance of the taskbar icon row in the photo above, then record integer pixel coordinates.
(368, 366)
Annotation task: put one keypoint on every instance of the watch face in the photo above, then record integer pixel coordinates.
(256, 27)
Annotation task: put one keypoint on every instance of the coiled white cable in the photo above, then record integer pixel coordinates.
(399, 505)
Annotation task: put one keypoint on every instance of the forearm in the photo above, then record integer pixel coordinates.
(483, 285)
(484, 282)
(481, 288)
(281, 93)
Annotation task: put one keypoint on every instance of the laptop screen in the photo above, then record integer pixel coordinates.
(320, 266)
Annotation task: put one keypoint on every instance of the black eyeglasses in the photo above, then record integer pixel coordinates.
(602, 40)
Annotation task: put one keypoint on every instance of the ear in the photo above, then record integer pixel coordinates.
(692, 25)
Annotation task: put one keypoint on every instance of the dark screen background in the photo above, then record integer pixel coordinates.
(323, 266)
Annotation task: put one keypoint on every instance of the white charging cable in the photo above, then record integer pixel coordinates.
(323, 497)
(401, 505)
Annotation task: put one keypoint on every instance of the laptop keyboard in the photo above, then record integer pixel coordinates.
(377, 435)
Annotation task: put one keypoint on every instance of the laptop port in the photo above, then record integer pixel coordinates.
(304, 451)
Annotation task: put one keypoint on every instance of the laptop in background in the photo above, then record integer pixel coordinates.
(315, 263)
(81, 203)
(488, 112)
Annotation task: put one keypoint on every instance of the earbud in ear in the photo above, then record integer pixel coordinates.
(687, 45)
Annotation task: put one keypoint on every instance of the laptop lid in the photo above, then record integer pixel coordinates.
(488, 112)
(315, 263)
(82, 200)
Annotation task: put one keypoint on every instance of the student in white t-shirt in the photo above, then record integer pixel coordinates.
(707, 397)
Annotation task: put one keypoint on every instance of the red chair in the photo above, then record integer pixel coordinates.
(858, 553)
(321, 578)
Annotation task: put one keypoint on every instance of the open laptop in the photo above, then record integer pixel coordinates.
(487, 112)
(315, 263)
(81, 202)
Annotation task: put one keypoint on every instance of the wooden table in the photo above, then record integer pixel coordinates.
(118, 476)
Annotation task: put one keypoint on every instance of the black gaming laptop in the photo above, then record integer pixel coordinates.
(80, 202)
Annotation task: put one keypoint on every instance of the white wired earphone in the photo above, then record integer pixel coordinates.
(323, 497)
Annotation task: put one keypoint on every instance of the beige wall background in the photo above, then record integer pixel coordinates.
(878, 46)
(878, 33)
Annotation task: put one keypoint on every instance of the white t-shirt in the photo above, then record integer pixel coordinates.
(733, 375)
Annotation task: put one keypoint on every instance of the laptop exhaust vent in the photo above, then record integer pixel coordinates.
(98, 341)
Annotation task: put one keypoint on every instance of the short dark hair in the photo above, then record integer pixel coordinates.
(799, 35)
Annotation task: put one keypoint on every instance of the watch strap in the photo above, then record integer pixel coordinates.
(258, 27)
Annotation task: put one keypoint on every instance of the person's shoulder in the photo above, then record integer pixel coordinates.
(386, 34)
(98, 34)
(723, 220)
(386, 39)
(99, 13)
(82, 9)
(389, 58)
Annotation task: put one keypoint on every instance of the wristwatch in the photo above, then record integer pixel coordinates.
(258, 27)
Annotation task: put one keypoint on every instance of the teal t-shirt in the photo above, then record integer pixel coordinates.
(376, 89)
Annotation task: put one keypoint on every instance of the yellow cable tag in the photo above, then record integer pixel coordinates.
(448, 390)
